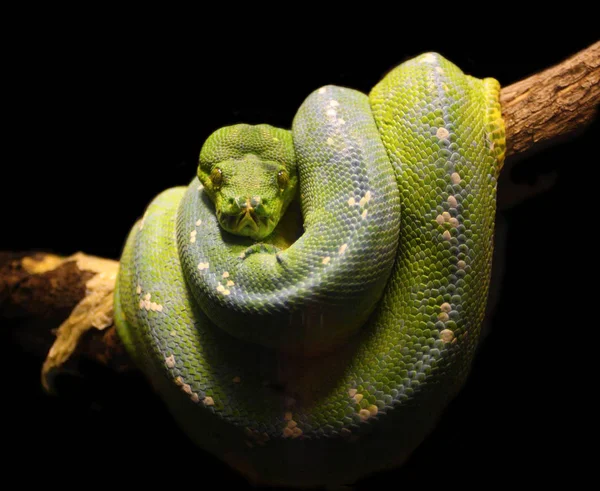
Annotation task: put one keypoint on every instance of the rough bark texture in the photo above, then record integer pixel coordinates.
(549, 106)
(62, 313)
(45, 291)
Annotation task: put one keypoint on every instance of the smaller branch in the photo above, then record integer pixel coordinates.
(75, 293)
(552, 104)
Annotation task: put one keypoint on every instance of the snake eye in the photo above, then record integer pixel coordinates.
(216, 177)
(282, 179)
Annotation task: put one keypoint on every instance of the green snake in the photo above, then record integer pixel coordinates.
(309, 304)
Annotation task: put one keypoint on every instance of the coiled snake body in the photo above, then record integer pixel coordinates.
(321, 356)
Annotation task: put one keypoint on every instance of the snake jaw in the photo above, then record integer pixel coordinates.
(248, 220)
(247, 223)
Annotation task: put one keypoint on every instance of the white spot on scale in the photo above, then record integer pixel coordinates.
(358, 398)
(364, 214)
(352, 392)
(439, 69)
(145, 303)
(447, 336)
(442, 133)
(329, 141)
(439, 219)
(443, 316)
(225, 292)
(187, 389)
(461, 264)
(208, 401)
(446, 216)
(294, 432)
(322, 90)
(230, 283)
(445, 307)
(143, 220)
(334, 103)
(341, 121)
(326, 260)
(428, 58)
(351, 201)
(342, 249)
(198, 222)
(455, 178)
(220, 288)
(195, 397)
(226, 274)
(200, 187)
(202, 266)
(138, 290)
(446, 235)
(454, 222)
(170, 361)
(452, 201)
(331, 112)
(365, 199)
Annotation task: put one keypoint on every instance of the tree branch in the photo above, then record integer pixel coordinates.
(44, 290)
(551, 105)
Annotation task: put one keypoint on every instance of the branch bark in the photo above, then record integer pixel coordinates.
(549, 106)
(43, 291)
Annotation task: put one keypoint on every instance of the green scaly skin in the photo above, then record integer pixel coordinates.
(387, 282)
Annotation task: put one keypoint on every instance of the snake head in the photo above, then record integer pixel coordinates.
(249, 173)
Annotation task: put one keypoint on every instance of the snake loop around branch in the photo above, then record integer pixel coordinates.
(325, 357)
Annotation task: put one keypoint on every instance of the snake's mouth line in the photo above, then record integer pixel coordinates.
(245, 221)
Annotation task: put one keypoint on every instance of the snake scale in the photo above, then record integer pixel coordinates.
(322, 347)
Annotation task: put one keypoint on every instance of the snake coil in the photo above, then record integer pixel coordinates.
(385, 288)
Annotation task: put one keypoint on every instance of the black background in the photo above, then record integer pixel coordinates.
(103, 119)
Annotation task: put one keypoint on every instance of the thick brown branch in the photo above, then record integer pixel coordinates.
(63, 307)
(553, 104)
(46, 291)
